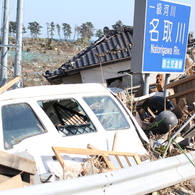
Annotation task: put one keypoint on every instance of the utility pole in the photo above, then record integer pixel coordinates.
(18, 54)
(4, 49)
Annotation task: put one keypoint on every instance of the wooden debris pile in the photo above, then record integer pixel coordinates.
(97, 161)
(181, 135)
(16, 171)
(163, 118)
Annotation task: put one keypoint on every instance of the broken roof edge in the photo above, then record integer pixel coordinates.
(108, 35)
(66, 73)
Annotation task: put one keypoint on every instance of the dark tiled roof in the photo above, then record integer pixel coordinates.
(115, 45)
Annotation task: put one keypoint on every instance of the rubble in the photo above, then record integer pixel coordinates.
(179, 137)
(93, 161)
(169, 124)
(16, 171)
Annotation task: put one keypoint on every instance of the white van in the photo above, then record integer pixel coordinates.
(34, 119)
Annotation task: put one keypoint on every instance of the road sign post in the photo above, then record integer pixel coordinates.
(160, 36)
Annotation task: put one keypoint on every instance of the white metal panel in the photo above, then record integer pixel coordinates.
(141, 179)
(49, 90)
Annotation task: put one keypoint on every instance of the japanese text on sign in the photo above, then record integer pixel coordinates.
(166, 32)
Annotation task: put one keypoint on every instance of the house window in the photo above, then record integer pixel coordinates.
(108, 112)
(19, 122)
(68, 116)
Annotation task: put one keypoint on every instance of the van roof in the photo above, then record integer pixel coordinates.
(47, 90)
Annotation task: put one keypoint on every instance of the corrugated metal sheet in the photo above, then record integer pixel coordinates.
(137, 79)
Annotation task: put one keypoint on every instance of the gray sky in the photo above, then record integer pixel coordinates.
(75, 12)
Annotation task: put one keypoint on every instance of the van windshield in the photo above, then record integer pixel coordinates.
(108, 112)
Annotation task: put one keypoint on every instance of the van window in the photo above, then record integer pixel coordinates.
(19, 122)
(108, 112)
(68, 116)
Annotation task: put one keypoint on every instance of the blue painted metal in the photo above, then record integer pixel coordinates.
(166, 36)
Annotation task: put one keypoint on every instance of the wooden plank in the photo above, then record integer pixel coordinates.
(93, 152)
(105, 156)
(17, 162)
(115, 141)
(89, 146)
(128, 162)
(89, 152)
(108, 161)
(118, 159)
(182, 103)
(137, 159)
(9, 171)
(14, 182)
(4, 178)
(175, 83)
(179, 94)
(150, 111)
(59, 157)
(9, 84)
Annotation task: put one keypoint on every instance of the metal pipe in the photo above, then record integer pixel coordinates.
(146, 84)
(167, 81)
(4, 49)
(131, 90)
(18, 54)
(183, 126)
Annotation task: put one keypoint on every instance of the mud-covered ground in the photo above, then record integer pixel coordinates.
(39, 55)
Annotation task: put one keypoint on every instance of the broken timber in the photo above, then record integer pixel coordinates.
(14, 167)
(114, 160)
(183, 88)
(9, 84)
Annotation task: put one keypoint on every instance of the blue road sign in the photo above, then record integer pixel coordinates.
(165, 36)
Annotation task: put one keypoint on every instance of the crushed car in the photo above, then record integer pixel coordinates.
(34, 119)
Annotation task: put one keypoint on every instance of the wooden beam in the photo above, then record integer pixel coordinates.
(95, 152)
(4, 178)
(150, 111)
(9, 84)
(17, 162)
(89, 152)
(181, 93)
(175, 83)
(115, 141)
(59, 157)
(89, 146)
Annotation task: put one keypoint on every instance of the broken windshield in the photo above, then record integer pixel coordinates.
(19, 122)
(108, 112)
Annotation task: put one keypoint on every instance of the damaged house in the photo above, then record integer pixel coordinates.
(106, 60)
